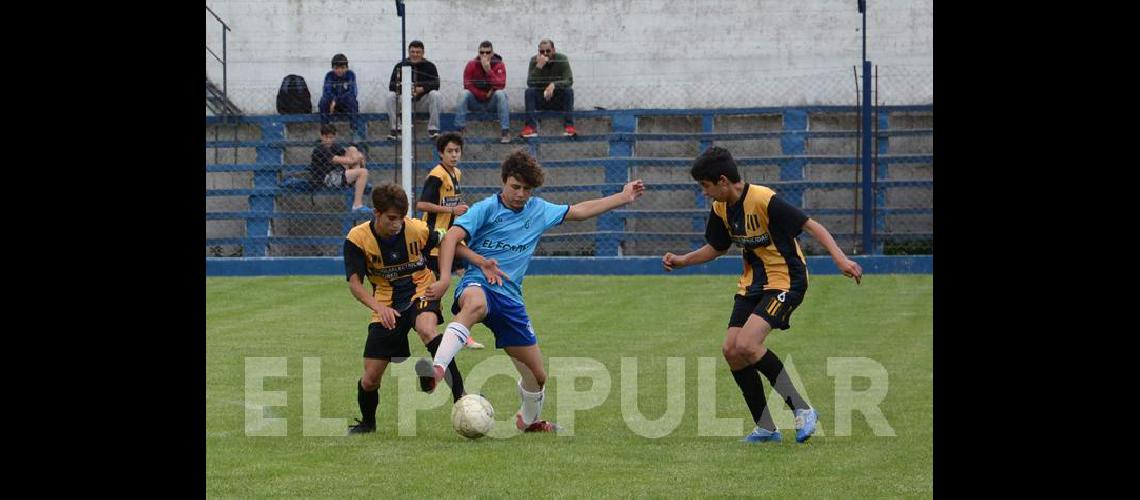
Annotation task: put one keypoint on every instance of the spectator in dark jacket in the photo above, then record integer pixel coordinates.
(549, 81)
(425, 79)
(339, 95)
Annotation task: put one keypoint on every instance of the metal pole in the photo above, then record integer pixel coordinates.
(406, 119)
(858, 153)
(868, 200)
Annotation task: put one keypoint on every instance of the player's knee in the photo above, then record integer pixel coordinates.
(426, 334)
(731, 353)
(370, 382)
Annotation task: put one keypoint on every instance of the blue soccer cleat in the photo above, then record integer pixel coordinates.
(805, 424)
(761, 435)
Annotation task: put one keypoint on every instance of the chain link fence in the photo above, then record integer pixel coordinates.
(804, 143)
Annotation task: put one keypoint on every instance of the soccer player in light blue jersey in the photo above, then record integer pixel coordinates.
(503, 231)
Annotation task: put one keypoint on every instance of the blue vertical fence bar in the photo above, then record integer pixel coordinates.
(868, 224)
(267, 179)
(698, 223)
(793, 143)
(617, 172)
(882, 172)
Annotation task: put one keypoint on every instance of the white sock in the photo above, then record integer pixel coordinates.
(531, 403)
(453, 339)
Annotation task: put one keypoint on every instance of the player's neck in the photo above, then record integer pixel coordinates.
(735, 192)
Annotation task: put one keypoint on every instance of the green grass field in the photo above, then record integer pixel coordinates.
(888, 319)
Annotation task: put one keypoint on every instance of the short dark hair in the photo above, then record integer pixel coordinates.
(522, 166)
(416, 43)
(486, 43)
(328, 128)
(340, 60)
(442, 141)
(713, 163)
(388, 196)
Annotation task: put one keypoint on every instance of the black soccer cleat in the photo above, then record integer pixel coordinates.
(360, 428)
(426, 371)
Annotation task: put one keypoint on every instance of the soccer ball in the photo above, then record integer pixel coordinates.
(472, 416)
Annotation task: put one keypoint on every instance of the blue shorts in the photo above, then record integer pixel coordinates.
(506, 318)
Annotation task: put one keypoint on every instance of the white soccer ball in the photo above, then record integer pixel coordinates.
(472, 416)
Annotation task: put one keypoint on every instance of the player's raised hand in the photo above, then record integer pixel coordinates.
(671, 262)
(634, 190)
(851, 269)
(491, 271)
(436, 290)
(388, 317)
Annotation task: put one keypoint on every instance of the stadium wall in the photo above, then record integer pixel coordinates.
(615, 47)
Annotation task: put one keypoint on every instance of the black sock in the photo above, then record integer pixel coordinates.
(753, 390)
(455, 379)
(368, 401)
(773, 370)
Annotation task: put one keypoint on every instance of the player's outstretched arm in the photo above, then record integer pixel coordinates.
(698, 256)
(850, 268)
(592, 208)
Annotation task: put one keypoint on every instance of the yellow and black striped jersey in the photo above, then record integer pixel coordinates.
(765, 226)
(395, 265)
(441, 188)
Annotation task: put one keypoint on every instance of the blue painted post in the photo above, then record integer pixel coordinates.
(617, 172)
(267, 179)
(793, 144)
(868, 224)
(882, 173)
(701, 201)
(706, 127)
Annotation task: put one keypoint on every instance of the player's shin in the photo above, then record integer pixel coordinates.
(453, 339)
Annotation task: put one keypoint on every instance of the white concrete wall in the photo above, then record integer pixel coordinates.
(625, 54)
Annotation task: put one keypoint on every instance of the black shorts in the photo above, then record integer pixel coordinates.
(433, 264)
(383, 343)
(775, 306)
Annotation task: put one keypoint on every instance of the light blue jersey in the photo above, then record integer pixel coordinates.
(508, 236)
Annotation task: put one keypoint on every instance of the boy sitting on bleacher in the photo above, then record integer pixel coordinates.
(333, 165)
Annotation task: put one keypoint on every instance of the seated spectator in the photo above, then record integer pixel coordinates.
(484, 84)
(335, 166)
(425, 79)
(339, 94)
(548, 81)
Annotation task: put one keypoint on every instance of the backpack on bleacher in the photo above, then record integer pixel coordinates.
(293, 98)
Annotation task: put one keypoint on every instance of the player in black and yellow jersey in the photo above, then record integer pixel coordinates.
(389, 252)
(441, 201)
(773, 284)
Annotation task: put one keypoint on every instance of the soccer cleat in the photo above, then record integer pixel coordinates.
(569, 132)
(538, 426)
(472, 344)
(528, 131)
(762, 435)
(433, 133)
(362, 209)
(360, 428)
(394, 135)
(805, 423)
(506, 138)
(429, 374)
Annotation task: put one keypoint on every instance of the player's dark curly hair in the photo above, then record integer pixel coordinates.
(522, 166)
(389, 196)
(713, 163)
(442, 141)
